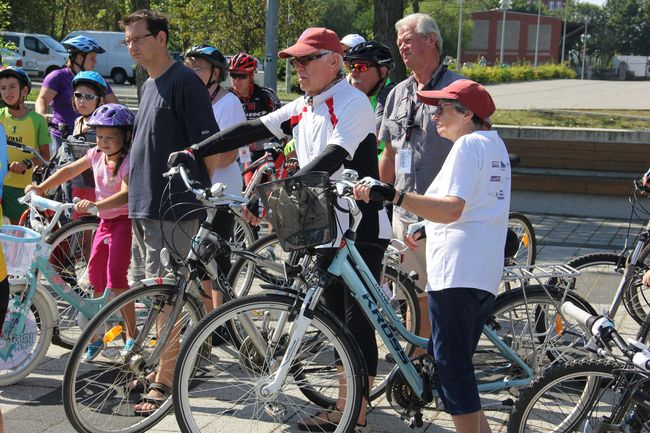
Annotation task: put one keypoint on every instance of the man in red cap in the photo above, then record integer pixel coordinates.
(465, 211)
(333, 125)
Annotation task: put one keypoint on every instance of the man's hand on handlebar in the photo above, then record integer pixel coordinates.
(369, 189)
(185, 156)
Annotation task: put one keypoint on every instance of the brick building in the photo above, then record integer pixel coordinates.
(519, 43)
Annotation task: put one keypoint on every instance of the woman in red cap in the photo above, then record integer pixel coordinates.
(466, 219)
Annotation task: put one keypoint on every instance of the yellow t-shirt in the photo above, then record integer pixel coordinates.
(30, 130)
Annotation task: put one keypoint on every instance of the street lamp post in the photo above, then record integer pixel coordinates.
(584, 48)
(566, 12)
(505, 5)
(460, 35)
(539, 14)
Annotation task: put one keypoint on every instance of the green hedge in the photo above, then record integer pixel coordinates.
(525, 72)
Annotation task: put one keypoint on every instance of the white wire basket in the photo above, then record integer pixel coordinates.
(19, 247)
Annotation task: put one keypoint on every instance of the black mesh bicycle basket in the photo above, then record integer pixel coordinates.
(301, 210)
(78, 147)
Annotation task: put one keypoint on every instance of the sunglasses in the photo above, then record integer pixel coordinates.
(86, 96)
(360, 67)
(238, 76)
(442, 107)
(304, 61)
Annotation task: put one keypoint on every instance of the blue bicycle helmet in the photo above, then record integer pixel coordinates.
(19, 74)
(91, 78)
(211, 55)
(82, 44)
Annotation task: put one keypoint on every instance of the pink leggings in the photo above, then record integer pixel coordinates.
(110, 256)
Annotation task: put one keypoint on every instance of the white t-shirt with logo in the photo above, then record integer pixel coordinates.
(342, 116)
(469, 252)
(229, 112)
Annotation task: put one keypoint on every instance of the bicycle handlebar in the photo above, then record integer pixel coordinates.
(214, 194)
(29, 150)
(37, 202)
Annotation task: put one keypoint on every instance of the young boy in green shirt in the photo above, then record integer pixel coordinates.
(26, 127)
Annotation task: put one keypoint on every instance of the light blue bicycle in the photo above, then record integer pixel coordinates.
(33, 315)
(283, 353)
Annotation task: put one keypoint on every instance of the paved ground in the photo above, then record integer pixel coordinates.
(34, 405)
(568, 94)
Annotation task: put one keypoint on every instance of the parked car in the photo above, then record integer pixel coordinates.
(11, 58)
(47, 53)
(116, 62)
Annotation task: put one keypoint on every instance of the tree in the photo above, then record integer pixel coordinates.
(387, 13)
(628, 22)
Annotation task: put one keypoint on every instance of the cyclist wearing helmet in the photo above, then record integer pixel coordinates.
(24, 126)
(88, 89)
(110, 255)
(56, 90)
(370, 63)
(210, 66)
(256, 101)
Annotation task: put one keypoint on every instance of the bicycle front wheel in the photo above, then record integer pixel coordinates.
(567, 398)
(224, 391)
(71, 246)
(99, 395)
(20, 356)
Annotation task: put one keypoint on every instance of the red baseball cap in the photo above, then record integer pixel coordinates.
(312, 41)
(469, 93)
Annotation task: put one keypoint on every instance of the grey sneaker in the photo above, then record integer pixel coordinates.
(361, 428)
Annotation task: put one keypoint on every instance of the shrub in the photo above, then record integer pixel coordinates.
(518, 71)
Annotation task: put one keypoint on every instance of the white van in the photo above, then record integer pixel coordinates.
(116, 62)
(43, 50)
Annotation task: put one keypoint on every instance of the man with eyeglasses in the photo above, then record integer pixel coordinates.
(255, 100)
(414, 151)
(334, 128)
(174, 112)
(369, 65)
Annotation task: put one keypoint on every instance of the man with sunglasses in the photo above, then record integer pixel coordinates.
(414, 151)
(334, 128)
(369, 65)
(255, 100)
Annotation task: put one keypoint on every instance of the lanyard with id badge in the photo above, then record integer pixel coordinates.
(405, 154)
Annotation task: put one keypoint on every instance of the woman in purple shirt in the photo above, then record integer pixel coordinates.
(56, 90)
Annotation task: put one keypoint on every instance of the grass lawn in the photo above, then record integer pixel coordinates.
(609, 119)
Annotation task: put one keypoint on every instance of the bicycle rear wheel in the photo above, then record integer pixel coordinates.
(224, 393)
(99, 396)
(567, 398)
(69, 256)
(527, 251)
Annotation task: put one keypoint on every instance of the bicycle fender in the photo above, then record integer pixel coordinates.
(19, 285)
(156, 281)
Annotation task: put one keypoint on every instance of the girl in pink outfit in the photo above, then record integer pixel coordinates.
(111, 250)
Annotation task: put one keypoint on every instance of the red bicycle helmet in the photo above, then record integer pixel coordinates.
(243, 62)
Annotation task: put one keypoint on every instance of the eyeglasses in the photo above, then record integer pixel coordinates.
(360, 67)
(135, 40)
(235, 76)
(442, 106)
(86, 96)
(304, 61)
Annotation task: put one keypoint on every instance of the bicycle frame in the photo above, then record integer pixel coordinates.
(349, 265)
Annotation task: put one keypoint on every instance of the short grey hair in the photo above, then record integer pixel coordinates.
(423, 24)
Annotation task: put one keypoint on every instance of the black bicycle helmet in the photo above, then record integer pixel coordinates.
(371, 52)
(212, 55)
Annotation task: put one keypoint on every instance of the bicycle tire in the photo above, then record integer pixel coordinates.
(97, 395)
(527, 252)
(550, 400)
(242, 369)
(536, 341)
(19, 363)
(244, 235)
(69, 256)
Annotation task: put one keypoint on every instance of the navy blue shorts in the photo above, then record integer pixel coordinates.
(457, 318)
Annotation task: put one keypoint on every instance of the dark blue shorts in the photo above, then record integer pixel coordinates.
(457, 318)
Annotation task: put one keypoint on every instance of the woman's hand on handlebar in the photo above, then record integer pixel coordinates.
(35, 188)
